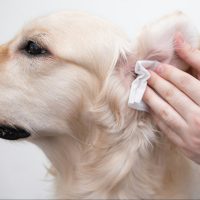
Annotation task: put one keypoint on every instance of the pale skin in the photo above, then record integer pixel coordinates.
(177, 113)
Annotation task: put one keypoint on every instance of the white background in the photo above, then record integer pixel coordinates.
(22, 166)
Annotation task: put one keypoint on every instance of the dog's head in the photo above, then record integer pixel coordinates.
(71, 66)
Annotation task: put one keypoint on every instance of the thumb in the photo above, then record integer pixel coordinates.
(185, 51)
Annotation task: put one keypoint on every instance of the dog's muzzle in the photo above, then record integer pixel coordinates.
(13, 133)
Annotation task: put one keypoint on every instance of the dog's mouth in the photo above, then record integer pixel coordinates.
(13, 132)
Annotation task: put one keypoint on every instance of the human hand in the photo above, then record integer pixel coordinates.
(177, 109)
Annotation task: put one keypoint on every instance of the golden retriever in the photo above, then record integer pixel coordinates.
(64, 85)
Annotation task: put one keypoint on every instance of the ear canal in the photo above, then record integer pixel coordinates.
(156, 40)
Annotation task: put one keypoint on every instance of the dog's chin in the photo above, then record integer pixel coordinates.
(13, 132)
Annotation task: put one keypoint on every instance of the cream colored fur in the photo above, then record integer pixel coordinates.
(74, 102)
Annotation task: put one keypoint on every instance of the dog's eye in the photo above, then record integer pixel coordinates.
(34, 49)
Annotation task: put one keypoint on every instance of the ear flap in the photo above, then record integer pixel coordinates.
(156, 40)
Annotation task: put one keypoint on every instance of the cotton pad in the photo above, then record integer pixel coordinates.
(139, 85)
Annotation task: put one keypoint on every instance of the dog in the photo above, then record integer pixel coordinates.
(64, 86)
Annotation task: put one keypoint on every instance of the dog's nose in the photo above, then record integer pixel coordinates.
(13, 133)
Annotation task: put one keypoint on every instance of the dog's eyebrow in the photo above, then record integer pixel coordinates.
(40, 38)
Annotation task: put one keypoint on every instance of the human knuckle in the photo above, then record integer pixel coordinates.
(184, 80)
(164, 114)
(169, 92)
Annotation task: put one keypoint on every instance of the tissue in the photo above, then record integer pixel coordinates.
(139, 85)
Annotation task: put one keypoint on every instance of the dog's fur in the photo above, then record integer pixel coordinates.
(74, 102)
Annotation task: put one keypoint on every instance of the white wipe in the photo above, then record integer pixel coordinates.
(139, 85)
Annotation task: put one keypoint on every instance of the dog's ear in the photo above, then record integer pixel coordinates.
(156, 40)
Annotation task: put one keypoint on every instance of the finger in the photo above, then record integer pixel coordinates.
(164, 111)
(177, 99)
(189, 54)
(166, 130)
(182, 80)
